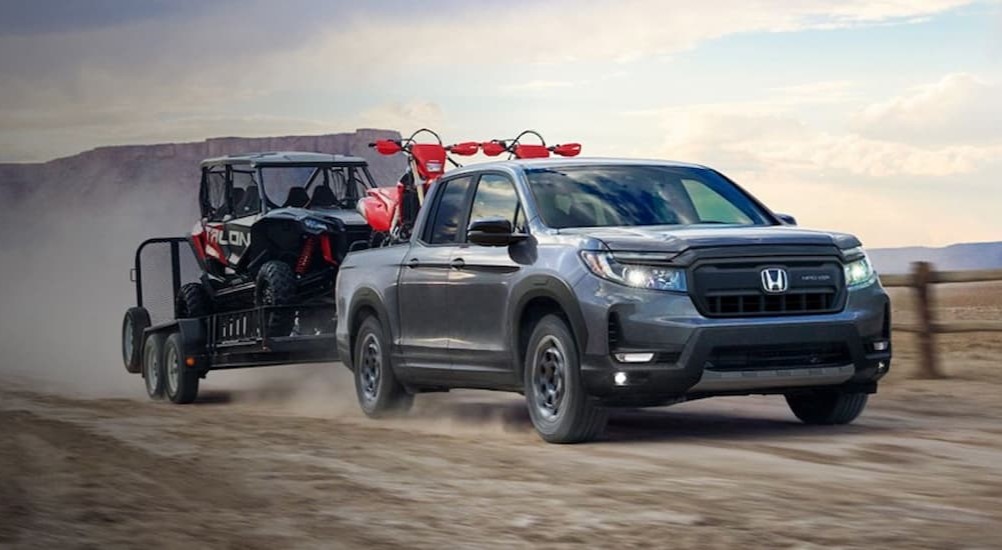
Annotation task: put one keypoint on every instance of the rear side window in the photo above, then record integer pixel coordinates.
(448, 212)
(214, 196)
(496, 198)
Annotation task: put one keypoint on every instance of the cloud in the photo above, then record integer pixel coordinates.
(411, 114)
(190, 60)
(958, 109)
(830, 91)
(884, 188)
(539, 85)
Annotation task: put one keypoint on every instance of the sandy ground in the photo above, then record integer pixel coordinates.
(281, 458)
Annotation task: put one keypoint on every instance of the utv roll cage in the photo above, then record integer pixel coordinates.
(349, 169)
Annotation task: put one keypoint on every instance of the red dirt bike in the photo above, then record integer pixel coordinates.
(391, 211)
(516, 149)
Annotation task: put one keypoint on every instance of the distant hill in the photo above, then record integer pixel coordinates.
(953, 257)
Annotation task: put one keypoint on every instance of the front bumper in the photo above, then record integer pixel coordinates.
(688, 347)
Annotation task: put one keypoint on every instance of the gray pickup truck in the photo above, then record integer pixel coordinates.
(586, 284)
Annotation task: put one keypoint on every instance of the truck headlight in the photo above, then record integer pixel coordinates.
(859, 273)
(604, 265)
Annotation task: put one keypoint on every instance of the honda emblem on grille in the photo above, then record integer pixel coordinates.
(775, 280)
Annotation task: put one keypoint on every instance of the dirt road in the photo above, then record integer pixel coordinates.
(285, 461)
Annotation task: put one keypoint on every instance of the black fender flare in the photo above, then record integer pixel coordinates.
(366, 297)
(553, 288)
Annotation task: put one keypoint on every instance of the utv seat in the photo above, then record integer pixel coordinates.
(323, 197)
(298, 198)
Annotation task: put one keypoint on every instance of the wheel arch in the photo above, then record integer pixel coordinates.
(366, 301)
(539, 296)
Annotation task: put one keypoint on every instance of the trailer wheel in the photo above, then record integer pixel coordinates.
(181, 381)
(276, 286)
(379, 392)
(192, 302)
(153, 368)
(136, 320)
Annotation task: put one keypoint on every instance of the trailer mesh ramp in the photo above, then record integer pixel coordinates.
(162, 267)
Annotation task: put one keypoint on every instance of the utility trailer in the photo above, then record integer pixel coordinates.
(173, 355)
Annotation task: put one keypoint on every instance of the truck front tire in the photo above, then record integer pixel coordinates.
(379, 393)
(829, 407)
(559, 407)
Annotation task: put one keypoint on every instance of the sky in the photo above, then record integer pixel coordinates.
(881, 118)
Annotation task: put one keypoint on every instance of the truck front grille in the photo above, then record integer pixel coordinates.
(812, 301)
(779, 356)
(734, 287)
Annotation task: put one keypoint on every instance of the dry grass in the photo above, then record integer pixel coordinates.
(969, 356)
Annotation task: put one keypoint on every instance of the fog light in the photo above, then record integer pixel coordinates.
(619, 378)
(881, 366)
(881, 345)
(634, 357)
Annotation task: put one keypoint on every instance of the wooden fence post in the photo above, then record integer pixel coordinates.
(922, 280)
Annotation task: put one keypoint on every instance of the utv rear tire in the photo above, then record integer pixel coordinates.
(180, 380)
(276, 286)
(153, 366)
(192, 302)
(136, 320)
(559, 407)
(379, 393)
(827, 407)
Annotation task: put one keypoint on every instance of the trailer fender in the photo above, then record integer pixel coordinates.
(194, 339)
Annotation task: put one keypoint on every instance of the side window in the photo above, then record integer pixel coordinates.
(245, 197)
(215, 196)
(711, 207)
(496, 198)
(448, 212)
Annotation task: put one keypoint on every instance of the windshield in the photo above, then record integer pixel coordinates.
(313, 186)
(596, 196)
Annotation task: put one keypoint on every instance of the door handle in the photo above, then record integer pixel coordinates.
(413, 262)
(457, 263)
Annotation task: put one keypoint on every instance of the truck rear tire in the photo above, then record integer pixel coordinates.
(136, 320)
(831, 407)
(379, 393)
(192, 302)
(153, 366)
(276, 286)
(559, 407)
(181, 381)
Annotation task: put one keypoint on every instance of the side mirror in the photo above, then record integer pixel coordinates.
(493, 232)
(787, 219)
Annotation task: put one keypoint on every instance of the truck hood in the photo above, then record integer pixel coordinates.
(676, 239)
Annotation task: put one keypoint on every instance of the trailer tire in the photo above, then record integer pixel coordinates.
(379, 393)
(136, 320)
(153, 366)
(181, 381)
(276, 286)
(192, 302)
